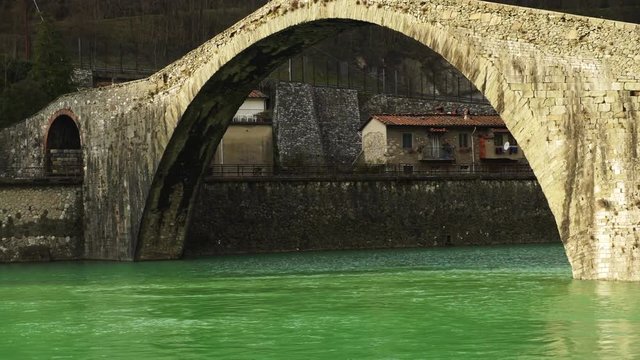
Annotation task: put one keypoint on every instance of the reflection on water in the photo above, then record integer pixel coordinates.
(495, 302)
(596, 320)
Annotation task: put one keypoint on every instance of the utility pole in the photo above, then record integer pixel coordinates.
(27, 45)
(80, 53)
(6, 64)
(27, 41)
(384, 77)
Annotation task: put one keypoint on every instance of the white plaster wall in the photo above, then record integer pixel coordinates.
(251, 107)
(374, 142)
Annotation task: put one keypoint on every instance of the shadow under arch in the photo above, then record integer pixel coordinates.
(63, 145)
(203, 123)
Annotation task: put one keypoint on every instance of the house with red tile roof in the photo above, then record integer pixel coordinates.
(439, 141)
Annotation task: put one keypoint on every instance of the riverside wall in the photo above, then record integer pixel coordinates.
(271, 216)
(40, 222)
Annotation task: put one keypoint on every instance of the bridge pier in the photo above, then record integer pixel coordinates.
(610, 251)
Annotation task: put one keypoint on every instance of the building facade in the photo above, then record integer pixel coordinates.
(447, 142)
(248, 139)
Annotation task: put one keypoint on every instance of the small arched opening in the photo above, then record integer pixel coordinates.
(63, 152)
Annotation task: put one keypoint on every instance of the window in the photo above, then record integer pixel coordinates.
(498, 139)
(463, 140)
(407, 141)
(407, 169)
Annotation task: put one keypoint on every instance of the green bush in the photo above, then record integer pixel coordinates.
(30, 87)
(21, 100)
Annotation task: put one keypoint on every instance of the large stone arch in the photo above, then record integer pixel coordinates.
(567, 86)
(248, 52)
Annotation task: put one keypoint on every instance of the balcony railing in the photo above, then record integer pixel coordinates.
(491, 151)
(437, 153)
(250, 119)
(512, 150)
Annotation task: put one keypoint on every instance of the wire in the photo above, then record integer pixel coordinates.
(38, 9)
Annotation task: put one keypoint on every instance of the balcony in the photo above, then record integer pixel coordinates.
(258, 118)
(437, 153)
(491, 152)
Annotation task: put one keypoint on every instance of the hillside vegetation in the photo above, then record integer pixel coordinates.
(152, 33)
(142, 36)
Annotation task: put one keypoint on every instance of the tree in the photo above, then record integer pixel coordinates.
(20, 101)
(51, 66)
(49, 77)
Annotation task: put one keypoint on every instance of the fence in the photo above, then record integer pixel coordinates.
(243, 171)
(324, 70)
(76, 173)
(315, 67)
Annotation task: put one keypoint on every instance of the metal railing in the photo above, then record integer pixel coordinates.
(250, 119)
(507, 171)
(444, 152)
(512, 150)
(244, 171)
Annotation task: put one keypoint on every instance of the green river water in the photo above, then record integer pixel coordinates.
(457, 303)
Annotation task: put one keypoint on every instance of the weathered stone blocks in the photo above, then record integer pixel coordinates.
(40, 222)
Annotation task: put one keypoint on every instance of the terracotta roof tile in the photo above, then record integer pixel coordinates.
(440, 120)
(257, 94)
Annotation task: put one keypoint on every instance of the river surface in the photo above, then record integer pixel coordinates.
(467, 303)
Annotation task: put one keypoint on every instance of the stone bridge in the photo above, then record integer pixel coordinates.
(568, 88)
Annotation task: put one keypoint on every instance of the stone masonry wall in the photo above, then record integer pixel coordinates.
(337, 116)
(296, 129)
(40, 222)
(238, 217)
(316, 126)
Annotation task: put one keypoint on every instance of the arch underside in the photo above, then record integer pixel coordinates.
(166, 215)
(201, 128)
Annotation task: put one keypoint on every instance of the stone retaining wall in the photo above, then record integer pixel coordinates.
(315, 126)
(40, 222)
(242, 217)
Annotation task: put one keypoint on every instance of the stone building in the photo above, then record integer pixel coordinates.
(446, 142)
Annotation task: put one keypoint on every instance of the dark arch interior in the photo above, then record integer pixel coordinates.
(64, 154)
(63, 134)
